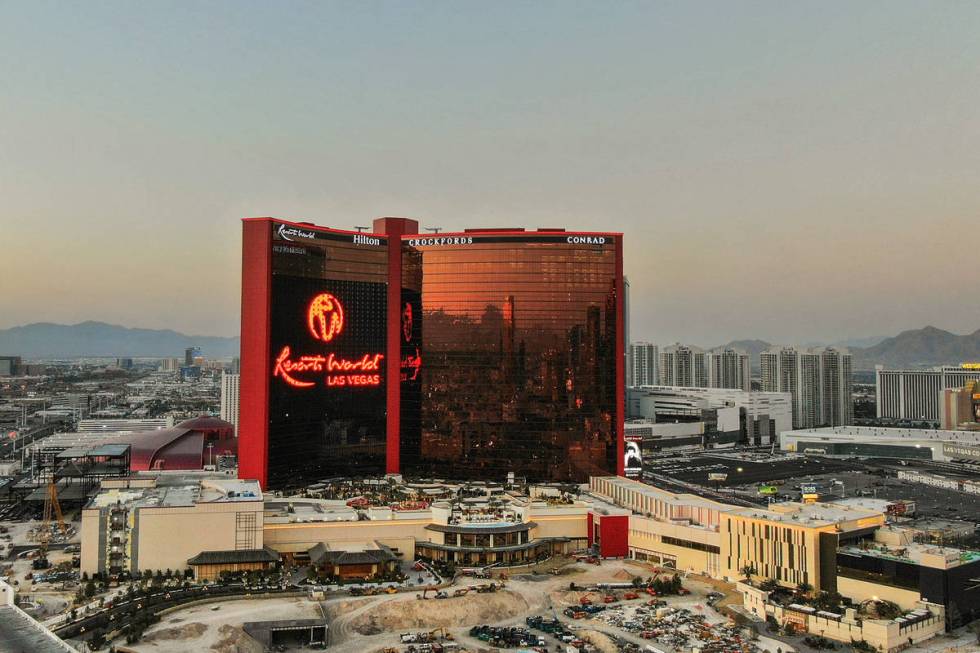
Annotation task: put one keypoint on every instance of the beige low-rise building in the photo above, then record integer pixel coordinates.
(163, 521)
(477, 532)
(917, 624)
(794, 544)
(674, 530)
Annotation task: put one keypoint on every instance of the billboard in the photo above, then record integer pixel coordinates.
(327, 366)
(953, 450)
(633, 461)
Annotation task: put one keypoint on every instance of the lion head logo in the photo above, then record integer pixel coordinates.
(325, 317)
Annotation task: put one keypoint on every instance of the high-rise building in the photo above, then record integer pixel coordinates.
(914, 394)
(819, 380)
(230, 398)
(170, 365)
(642, 365)
(471, 354)
(959, 408)
(190, 355)
(683, 365)
(10, 365)
(729, 368)
(836, 392)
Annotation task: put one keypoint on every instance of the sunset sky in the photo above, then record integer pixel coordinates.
(791, 171)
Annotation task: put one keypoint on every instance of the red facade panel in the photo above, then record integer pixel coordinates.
(253, 426)
(620, 363)
(394, 228)
(614, 536)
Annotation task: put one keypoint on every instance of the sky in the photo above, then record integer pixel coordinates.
(789, 171)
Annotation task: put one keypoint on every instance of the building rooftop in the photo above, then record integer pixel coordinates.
(925, 555)
(21, 634)
(812, 515)
(298, 510)
(912, 435)
(658, 494)
(175, 490)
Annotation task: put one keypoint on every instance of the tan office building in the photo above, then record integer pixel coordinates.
(792, 543)
(675, 530)
(163, 522)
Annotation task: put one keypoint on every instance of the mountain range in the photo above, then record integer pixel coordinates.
(920, 347)
(926, 347)
(97, 339)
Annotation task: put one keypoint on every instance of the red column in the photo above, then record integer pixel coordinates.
(394, 228)
(614, 536)
(620, 363)
(253, 426)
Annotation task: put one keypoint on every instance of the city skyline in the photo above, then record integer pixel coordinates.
(787, 173)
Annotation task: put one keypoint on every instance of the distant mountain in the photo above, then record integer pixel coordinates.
(868, 341)
(751, 347)
(47, 340)
(919, 348)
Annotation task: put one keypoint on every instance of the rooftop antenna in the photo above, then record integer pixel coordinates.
(360, 229)
(434, 230)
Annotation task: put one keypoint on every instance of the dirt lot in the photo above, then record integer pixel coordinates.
(218, 627)
(369, 624)
(414, 615)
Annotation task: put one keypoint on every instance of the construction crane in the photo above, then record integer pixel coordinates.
(51, 508)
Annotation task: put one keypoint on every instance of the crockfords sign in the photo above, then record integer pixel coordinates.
(489, 238)
(448, 240)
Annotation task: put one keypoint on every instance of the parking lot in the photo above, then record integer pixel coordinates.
(746, 468)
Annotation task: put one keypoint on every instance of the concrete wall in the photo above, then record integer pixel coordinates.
(646, 538)
(301, 537)
(168, 537)
(862, 590)
(574, 526)
(90, 541)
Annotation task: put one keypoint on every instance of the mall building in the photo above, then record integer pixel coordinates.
(450, 355)
(879, 442)
(141, 523)
(847, 546)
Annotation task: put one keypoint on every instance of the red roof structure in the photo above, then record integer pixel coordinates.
(182, 447)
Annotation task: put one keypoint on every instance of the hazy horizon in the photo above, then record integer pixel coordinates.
(786, 172)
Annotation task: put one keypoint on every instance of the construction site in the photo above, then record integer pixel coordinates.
(566, 602)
